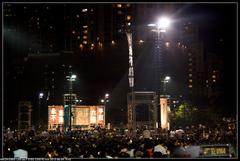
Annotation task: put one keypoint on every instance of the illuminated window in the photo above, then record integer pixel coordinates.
(190, 75)
(190, 80)
(78, 37)
(214, 71)
(77, 16)
(85, 37)
(73, 32)
(129, 24)
(100, 44)
(119, 12)
(97, 38)
(113, 42)
(84, 10)
(85, 26)
(119, 5)
(92, 45)
(81, 46)
(84, 42)
(214, 80)
(141, 41)
(206, 81)
(213, 76)
(91, 48)
(190, 86)
(128, 18)
(85, 31)
(128, 5)
(167, 44)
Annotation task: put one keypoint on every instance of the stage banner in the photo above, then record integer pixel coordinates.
(130, 72)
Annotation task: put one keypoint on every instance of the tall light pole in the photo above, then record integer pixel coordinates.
(105, 102)
(40, 96)
(160, 27)
(70, 78)
(165, 81)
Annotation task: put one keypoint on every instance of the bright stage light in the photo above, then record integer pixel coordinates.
(163, 23)
(167, 78)
(73, 76)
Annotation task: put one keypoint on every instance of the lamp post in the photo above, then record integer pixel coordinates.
(39, 106)
(160, 27)
(105, 102)
(79, 101)
(165, 81)
(70, 79)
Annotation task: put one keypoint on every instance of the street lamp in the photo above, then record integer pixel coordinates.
(163, 23)
(39, 106)
(105, 100)
(160, 27)
(79, 101)
(70, 79)
(106, 96)
(165, 80)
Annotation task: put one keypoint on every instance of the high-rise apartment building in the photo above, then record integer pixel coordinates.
(39, 22)
(195, 60)
(215, 79)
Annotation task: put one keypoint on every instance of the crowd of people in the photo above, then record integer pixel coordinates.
(116, 143)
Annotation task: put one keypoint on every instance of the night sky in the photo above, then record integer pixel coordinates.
(109, 72)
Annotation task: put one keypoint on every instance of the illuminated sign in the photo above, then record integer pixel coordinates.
(81, 115)
(100, 115)
(215, 151)
(60, 118)
(164, 113)
(86, 115)
(55, 116)
(93, 115)
(130, 72)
